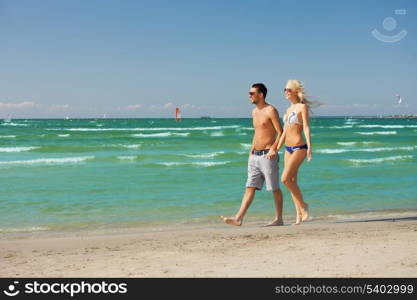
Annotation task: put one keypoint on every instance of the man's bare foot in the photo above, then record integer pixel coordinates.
(231, 221)
(278, 222)
(304, 213)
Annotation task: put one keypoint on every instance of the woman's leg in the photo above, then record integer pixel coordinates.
(289, 179)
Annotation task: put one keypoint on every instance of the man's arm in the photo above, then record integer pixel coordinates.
(253, 139)
(253, 145)
(277, 125)
(273, 115)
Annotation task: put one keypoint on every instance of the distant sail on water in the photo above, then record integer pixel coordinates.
(399, 99)
(177, 114)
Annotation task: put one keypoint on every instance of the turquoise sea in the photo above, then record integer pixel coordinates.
(59, 174)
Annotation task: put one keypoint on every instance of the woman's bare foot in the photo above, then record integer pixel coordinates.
(298, 220)
(304, 213)
(231, 221)
(277, 222)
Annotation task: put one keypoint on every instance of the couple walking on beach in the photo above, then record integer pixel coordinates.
(269, 136)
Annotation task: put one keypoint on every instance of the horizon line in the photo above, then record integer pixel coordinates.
(207, 118)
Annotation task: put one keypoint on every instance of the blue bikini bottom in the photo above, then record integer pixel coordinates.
(291, 149)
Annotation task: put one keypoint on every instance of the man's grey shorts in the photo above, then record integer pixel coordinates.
(262, 169)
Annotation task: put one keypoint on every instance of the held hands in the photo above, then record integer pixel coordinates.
(309, 155)
(271, 154)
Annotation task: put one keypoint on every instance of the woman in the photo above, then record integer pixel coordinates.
(296, 148)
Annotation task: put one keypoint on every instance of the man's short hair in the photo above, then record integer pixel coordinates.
(261, 88)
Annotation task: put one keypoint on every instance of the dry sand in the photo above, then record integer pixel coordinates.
(356, 249)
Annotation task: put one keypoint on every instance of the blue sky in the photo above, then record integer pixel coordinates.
(142, 59)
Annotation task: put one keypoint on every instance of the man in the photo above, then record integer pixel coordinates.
(262, 168)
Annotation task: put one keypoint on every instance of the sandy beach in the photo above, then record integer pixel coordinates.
(354, 249)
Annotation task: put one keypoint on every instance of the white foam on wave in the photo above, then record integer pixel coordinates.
(47, 161)
(205, 155)
(7, 136)
(346, 143)
(64, 135)
(13, 124)
(161, 134)
(332, 151)
(386, 126)
(127, 157)
(24, 229)
(344, 126)
(377, 132)
(380, 126)
(217, 133)
(380, 160)
(149, 129)
(17, 149)
(246, 146)
(199, 163)
(132, 146)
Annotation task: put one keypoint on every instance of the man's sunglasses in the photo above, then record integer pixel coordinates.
(251, 93)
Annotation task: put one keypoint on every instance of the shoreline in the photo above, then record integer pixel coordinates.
(208, 222)
(361, 248)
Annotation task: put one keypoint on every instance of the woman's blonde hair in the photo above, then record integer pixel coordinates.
(298, 86)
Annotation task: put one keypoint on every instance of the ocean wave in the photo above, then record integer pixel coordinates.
(377, 132)
(199, 163)
(24, 229)
(161, 134)
(344, 126)
(64, 135)
(205, 155)
(246, 146)
(133, 146)
(47, 161)
(332, 151)
(17, 149)
(7, 136)
(346, 143)
(386, 126)
(351, 122)
(380, 160)
(149, 129)
(13, 124)
(217, 133)
(127, 157)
